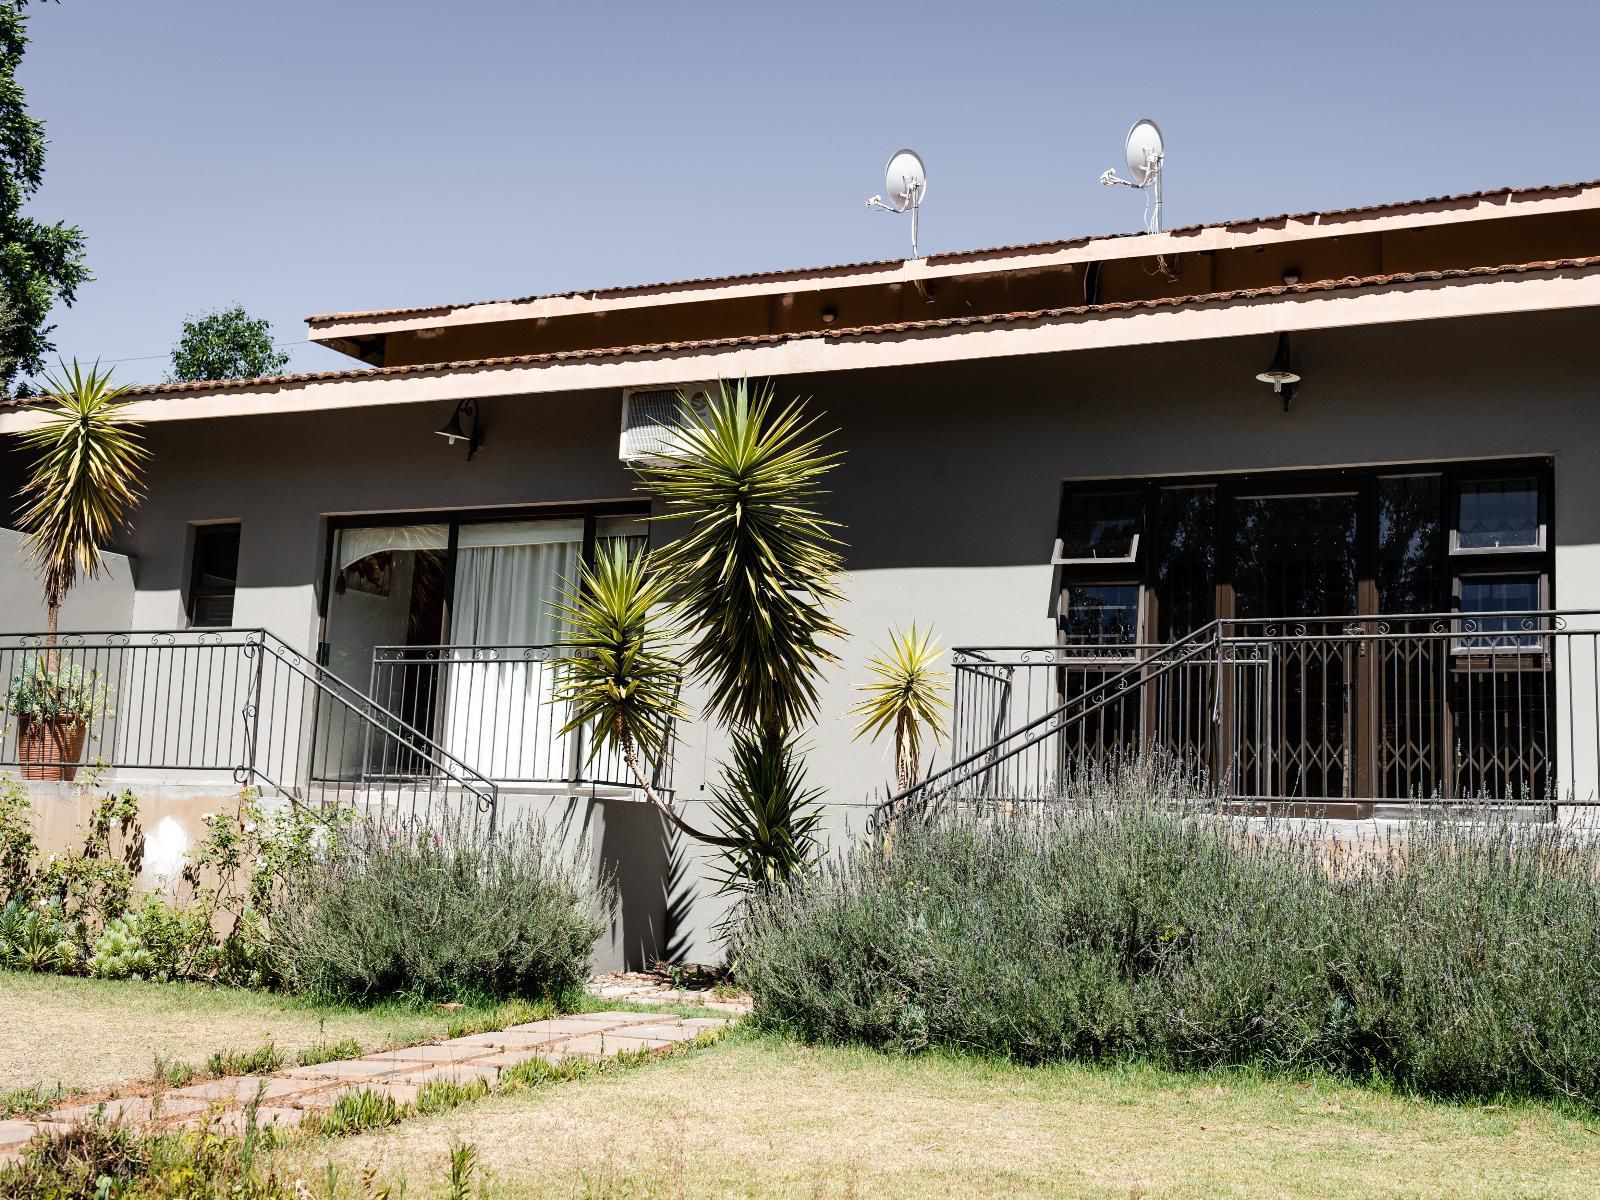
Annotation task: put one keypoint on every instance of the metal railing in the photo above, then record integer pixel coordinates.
(231, 704)
(1336, 710)
(496, 707)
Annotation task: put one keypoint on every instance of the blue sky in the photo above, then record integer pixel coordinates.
(302, 157)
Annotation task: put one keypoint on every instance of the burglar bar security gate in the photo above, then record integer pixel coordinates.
(1334, 711)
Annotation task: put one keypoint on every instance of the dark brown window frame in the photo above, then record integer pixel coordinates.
(1363, 480)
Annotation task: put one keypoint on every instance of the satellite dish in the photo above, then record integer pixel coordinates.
(905, 180)
(1144, 151)
(1147, 157)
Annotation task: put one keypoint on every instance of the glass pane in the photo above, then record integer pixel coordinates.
(1186, 563)
(1499, 514)
(1294, 556)
(214, 611)
(509, 577)
(1099, 526)
(1498, 594)
(1409, 541)
(1101, 614)
(631, 531)
(216, 554)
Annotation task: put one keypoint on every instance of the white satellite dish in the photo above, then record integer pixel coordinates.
(905, 182)
(1144, 151)
(1146, 155)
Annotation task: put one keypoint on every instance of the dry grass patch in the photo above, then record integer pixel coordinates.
(756, 1116)
(89, 1033)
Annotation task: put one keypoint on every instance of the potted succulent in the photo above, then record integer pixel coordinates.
(53, 706)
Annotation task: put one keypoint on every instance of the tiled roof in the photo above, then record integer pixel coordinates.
(1349, 283)
(953, 255)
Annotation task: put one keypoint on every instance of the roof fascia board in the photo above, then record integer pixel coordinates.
(1423, 300)
(1224, 236)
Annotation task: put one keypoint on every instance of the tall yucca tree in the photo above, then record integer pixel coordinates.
(85, 481)
(906, 694)
(755, 572)
(751, 576)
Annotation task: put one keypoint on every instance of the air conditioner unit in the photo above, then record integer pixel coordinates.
(650, 416)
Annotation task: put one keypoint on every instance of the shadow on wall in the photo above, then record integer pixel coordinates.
(102, 604)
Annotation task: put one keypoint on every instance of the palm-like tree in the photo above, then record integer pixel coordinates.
(85, 481)
(906, 695)
(754, 574)
(622, 684)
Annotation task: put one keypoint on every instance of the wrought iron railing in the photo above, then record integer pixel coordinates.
(231, 704)
(496, 707)
(1325, 710)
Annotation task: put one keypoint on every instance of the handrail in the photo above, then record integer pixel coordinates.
(353, 700)
(1176, 654)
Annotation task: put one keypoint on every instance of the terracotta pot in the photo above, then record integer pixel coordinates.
(50, 750)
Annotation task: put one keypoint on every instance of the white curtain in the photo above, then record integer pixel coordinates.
(499, 716)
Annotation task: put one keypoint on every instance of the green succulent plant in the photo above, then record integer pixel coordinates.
(65, 693)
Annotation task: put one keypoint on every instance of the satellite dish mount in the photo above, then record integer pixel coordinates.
(905, 183)
(1146, 156)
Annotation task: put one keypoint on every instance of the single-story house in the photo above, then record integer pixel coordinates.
(1311, 497)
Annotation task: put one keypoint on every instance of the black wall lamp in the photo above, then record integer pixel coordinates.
(452, 432)
(1280, 375)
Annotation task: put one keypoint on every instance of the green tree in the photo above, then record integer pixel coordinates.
(84, 482)
(40, 264)
(226, 344)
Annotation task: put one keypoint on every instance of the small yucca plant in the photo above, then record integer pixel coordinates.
(906, 695)
(622, 682)
(85, 481)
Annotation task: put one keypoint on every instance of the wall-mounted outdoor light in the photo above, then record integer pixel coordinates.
(452, 432)
(1280, 375)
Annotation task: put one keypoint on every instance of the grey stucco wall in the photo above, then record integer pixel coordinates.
(948, 493)
(102, 603)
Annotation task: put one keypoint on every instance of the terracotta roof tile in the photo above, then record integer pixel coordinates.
(933, 324)
(954, 255)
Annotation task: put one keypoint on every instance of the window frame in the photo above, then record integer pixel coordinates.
(200, 530)
(1459, 485)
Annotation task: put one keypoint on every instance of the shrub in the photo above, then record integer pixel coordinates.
(1460, 957)
(438, 914)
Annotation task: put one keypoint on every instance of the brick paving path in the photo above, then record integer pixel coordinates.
(287, 1097)
(637, 987)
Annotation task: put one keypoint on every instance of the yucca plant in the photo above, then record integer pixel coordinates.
(84, 482)
(906, 695)
(622, 682)
(754, 574)
(751, 580)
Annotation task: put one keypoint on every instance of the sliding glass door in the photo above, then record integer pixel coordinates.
(453, 624)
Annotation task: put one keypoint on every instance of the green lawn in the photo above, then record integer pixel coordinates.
(757, 1116)
(88, 1033)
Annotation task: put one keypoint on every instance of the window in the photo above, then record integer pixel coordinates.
(1098, 528)
(1100, 614)
(1498, 516)
(1505, 593)
(215, 575)
(1409, 541)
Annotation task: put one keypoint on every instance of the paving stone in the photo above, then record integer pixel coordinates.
(242, 1089)
(510, 1039)
(593, 1045)
(454, 1072)
(515, 1058)
(563, 1026)
(616, 1018)
(140, 1109)
(356, 1068)
(707, 1022)
(674, 1032)
(14, 1134)
(444, 1053)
